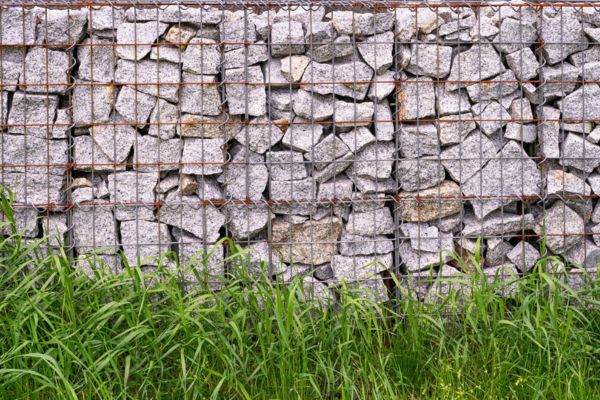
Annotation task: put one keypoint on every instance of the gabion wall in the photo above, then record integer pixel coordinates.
(340, 142)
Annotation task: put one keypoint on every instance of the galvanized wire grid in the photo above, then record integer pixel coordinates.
(339, 140)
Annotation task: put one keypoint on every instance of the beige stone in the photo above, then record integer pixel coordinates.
(430, 204)
(204, 126)
(180, 35)
(188, 184)
(310, 242)
(292, 67)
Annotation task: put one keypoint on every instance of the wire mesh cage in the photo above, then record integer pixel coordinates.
(343, 141)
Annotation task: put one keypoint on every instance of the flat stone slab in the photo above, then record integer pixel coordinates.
(134, 106)
(377, 50)
(244, 221)
(287, 38)
(115, 141)
(202, 57)
(246, 176)
(134, 192)
(259, 135)
(314, 107)
(415, 99)
(94, 230)
(579, 153)
(96, 60)
(418, 140)
(463, 160)
(41, 156)
(430, 60)
(302, 135)
(156, 155)
(375, 161)
(420, 173)
(94, 102)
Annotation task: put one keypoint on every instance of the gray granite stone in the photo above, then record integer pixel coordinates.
(259, 135)
(560, 80)
(293, 67)
(245, 99)
(520, 132)
(302, 135)
(144, 242)
(430, 60)
(18, 25)
(524, 256)
(327, 150)
(294, 197)
(287, 38)
(88, 156)
(481, 61)
(202, 126)
(286, 165)
(415, 99)
(246, 176)
(451, 102)
(94, 102)
(420, 173)
(134, 193)
(562, 227)
(157, 155)
(562, 33)
(200, 95)
(360, 268)
(357, 245)
(134, 106)
(61, 28)
(382, 86)
(384, 122)
(244, 221)
(164, 120)
(377, 50)
(422, 260)
(454, 128)
(32, 114)
(463, 160)
(129, 33)
(13, 59)
(357, 139)
(515, 34)
(202, 57)
(202, 156)
(235, 33)
(147, 73)
(175, 13)
(94, 229)
(579, 153)
(582, 104)
(348, 78)
(523, 63)
(375, 161)
(490, 116)
(328, 50)
(418, 140)
(189, 214)
(371, 223)
(314, 107)
(512, 173)
(350, 114)
(496, 88)
(96, 60)
(115, 141)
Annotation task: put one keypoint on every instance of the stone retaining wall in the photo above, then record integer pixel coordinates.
(342, 144)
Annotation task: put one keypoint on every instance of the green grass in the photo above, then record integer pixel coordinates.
(135, 335)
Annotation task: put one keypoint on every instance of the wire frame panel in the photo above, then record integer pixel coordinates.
(341, 141)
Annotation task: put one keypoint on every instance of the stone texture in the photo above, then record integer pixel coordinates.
(144, 242)
(146, 73)
(524, 256)
(134, 192)
(96, 60)
(129, 33)
(562, 33)
(430, 60)
(287, 38)
(154, 154)
(512, 174)
(115, 141)
(430, 204)
(32, 114)
(562, 227)
(420, 173)
(374, 161)
(200, 95)
(254, 54)
(481, 61)
(243, 99)
(246, 177)
(348, 78)
(202, 57)
(415, 99)
(376, 50)
(289, 240)
(464, 160)
(202, 156)
(359, 268)
(259, 135)
(94, 102)
(371, 223)
(582, 104)
(578, 153)
(312, 106)
(292, 67)
(302, 135)
(245, 221)
(134, 106)
(418, 140)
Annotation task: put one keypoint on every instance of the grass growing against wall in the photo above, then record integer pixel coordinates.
(63, 335)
